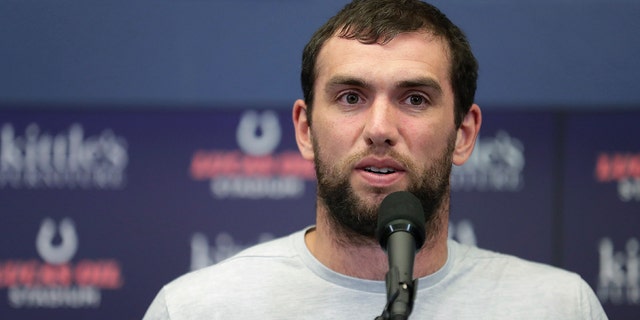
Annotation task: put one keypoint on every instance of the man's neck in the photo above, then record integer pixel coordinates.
(366, 259)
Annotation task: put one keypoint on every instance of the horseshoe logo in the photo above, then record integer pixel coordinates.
(62, 252)
(258, 135)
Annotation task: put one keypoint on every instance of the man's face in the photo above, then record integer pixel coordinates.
(383, 121)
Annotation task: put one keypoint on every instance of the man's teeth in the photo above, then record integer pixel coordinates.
(379, 170)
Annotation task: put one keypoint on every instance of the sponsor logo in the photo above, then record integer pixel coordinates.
(619, 277)
(56, 281)
(496, 164)
(68, 159)
(254, 171)
(623, 169)
(202, 254)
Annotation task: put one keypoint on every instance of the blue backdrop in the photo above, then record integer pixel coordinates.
(235, 53)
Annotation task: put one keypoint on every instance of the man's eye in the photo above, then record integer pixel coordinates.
(351, 98)
(416, 100)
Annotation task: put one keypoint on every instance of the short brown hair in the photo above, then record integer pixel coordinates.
(379, 21)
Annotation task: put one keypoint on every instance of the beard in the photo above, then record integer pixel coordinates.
(355, 220)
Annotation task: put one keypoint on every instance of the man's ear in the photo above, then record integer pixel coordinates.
(302, 129)
(466, 135)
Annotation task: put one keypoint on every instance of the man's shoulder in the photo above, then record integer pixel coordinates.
(507, 262)
(239, 267)
(250, 275)
(507, 266)
(523, 284)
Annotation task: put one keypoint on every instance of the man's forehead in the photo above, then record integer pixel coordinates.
(424, 46)
(426, 37)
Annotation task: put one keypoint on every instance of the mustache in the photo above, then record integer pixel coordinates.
(403, 160)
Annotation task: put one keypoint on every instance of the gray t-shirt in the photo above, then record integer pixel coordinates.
(282, 280)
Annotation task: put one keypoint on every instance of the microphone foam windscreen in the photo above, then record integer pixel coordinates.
(401, 209)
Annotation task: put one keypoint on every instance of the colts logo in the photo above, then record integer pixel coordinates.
(258, 135)
(58, 282)
(62, 252)
(254, 170)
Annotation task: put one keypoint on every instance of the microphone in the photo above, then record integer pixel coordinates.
(401, 233)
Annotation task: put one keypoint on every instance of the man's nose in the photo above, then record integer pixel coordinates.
(381, 127)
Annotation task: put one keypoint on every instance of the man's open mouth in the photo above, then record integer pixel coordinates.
(379, 170)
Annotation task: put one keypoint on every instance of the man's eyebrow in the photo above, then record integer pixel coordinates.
(339, 81)
(420, 82)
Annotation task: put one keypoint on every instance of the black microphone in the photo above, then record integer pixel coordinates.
(401, 233)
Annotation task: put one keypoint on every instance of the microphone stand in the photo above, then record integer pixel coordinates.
(400, 232)
(400, 297)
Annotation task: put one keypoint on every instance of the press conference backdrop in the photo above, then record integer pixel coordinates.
(141, 140)
(101, 207)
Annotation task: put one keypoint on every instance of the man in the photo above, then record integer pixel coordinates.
(388, 105)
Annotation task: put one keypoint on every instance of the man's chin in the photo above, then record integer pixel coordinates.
(374, 196)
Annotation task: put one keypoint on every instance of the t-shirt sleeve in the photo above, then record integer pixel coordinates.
(158, 308)
(589, 303)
